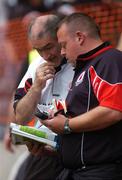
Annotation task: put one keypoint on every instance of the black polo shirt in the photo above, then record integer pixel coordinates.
(97, 81)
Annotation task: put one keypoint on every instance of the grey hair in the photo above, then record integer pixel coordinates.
(49, 27)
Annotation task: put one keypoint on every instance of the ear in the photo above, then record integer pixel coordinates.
(80, 37)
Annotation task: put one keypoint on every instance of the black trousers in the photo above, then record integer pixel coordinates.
(40, 168)
(97, 172)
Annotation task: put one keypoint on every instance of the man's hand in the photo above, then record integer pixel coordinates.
(56, 124)
(44, 72)
(38, 149)
(26, 106)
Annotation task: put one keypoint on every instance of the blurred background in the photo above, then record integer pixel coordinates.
(14, 48)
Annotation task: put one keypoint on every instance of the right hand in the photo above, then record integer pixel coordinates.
(44, 72)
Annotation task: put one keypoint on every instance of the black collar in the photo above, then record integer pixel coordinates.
(95, 52)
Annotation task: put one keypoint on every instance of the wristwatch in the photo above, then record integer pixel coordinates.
(67, 129)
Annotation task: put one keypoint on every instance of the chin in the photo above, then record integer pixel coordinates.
(57, 62)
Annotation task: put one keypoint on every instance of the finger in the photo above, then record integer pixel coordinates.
(45, 150)
(42, 74)
(29, 146)
(49, 148)
(45, 122)
(35, 148)
(48, 76)
(40, 150)
(50, 71)
(47, 71)
(46, 66)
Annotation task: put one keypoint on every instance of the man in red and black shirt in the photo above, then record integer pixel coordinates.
(92, 134)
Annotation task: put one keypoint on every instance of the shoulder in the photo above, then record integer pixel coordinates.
(113, 54)
(109, 58)
(109, 66)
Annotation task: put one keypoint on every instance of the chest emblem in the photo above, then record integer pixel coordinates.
(80, 79)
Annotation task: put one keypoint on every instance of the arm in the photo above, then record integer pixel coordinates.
(109, 97)
(98, 118)
(27, 105)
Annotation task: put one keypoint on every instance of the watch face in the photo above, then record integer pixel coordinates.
(67, 129)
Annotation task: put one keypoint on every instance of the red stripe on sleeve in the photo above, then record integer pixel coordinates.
(108, 95)
(27, 84)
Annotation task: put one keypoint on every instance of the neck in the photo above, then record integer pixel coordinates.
(90, 44)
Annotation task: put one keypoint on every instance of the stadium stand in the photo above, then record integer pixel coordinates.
(108, 16)
(13, 50)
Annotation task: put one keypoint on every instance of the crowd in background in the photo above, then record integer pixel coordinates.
(17, 8)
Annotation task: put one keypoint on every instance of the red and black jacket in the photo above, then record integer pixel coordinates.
(97, 81)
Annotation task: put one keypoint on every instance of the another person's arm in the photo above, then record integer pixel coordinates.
(98, 118)
(26, 106)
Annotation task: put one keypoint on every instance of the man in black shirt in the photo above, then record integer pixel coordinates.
(91, 135)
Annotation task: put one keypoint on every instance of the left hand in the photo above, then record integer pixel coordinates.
(38, 149)
(56, 124)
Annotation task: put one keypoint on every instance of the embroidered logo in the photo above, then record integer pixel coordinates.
(80, 79)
